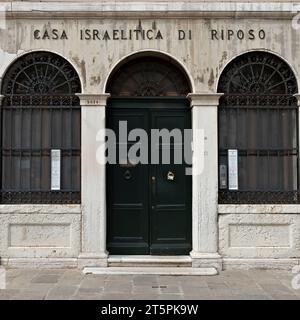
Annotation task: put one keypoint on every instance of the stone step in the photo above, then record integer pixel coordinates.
(149, 261)
(170, 271)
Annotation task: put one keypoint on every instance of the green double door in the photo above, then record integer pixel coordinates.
(149, 205)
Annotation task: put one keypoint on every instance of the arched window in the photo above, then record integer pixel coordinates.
(148, 77)
(258, 131)
(40, 131)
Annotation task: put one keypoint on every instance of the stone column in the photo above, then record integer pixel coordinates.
(93, 194)
(205, 180)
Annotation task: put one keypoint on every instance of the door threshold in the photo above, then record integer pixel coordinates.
(147, 260)
(170, 271)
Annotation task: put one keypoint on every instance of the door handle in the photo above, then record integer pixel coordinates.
(170, 176)
(153, 179)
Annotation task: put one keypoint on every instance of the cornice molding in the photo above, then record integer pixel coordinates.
(26, 9)
(204, 99)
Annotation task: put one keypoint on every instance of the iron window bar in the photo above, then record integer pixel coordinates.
(41, 101)
(259, 197)
(261, 101)
(40, 196)
(258, 117)
(263, 152)
(41, 105)
(274, 103)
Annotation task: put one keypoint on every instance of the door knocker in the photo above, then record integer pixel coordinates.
(170, 176)
(127, 175)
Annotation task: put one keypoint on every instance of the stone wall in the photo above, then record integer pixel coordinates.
(248, 235)
(40, 234)
(259, 235)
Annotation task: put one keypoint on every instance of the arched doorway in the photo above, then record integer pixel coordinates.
(149, 203)
(258, 120)
(40, 126)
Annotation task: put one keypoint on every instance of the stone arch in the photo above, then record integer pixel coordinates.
(148, 73)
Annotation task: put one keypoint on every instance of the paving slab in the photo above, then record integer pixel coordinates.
(46, 278)
(73, 284)
(145, 289)
(92, 283)
(90, 291)
(86, 297)
(117, 287)
(172, 289)
(60, 292)
(169, 296)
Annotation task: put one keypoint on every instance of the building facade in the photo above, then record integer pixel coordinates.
(228, 70)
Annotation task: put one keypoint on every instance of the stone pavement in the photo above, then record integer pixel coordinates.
(72, 284)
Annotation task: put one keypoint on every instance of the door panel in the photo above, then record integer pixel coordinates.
(171, 199)
(146, 212)
(127, 201)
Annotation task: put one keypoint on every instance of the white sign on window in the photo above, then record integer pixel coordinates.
(233, 182)
(55, 169)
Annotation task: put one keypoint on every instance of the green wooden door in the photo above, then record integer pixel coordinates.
(149, 205)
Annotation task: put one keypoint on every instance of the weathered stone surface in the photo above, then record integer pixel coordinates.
(75, 235)
(39, 235)
(259, 236)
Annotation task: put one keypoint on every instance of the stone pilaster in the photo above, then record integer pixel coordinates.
(93, 195)
(205, 179)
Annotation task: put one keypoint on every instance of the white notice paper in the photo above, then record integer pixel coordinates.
(233, 182)
(55, 169)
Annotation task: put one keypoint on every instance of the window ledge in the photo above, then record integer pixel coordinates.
(258, 208)
(40, 208)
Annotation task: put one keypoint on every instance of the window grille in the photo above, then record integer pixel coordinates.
(258, 117)
(40, 112)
